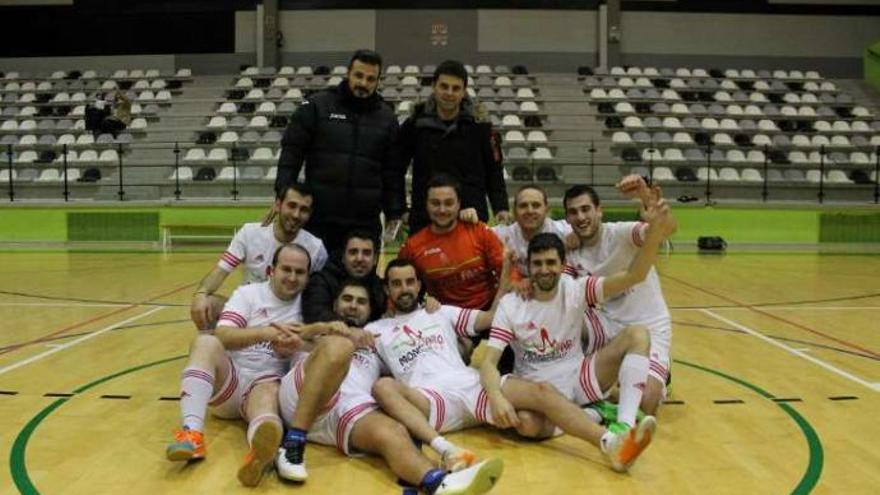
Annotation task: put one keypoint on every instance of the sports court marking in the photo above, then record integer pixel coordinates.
(80, 340)
(801, 354)
(785, 308)
(64, 305)
(24, 483)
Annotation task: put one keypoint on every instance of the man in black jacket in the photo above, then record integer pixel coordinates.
(450, 135)
(344, 135)
(358, 261)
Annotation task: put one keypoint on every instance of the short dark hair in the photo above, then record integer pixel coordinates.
(369, 57)
(353, 282)
(295, 246)
(579, 190)
(451, 68)
(398, 263)
(359, 234)
(302, 189)
(544, 242)
(443, 180)
(526, 188)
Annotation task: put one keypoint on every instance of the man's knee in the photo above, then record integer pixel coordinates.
(206, 344)
(531, 425)
(383, 388)
(337, 350)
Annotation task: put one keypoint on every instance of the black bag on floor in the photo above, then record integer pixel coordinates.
(714, 243)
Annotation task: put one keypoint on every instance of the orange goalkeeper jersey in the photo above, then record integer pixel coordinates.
(460, 267)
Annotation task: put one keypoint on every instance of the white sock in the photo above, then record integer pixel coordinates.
(632, 377)
(441, 445)
(196, 389)
(256, 422)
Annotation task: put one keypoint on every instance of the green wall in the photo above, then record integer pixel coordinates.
(734, 224)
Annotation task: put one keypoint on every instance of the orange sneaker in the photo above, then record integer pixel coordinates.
(264, 444)
(188, 445)
(626, 447)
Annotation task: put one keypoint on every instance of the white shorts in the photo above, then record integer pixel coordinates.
(230, 401)
(457, 402)
(601, 328)
(335, 421)
(581, 386)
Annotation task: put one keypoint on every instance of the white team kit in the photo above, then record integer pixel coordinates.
(420, 350)
(546, 338)
(642, 304)
(252, 305)
(255, 244)
(512, 237)
(350, 403)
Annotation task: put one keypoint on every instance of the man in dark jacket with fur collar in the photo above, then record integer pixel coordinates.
(449, 135)
(344, 134)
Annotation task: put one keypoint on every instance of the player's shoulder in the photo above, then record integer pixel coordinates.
(251, 228)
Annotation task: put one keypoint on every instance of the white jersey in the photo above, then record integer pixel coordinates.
(421, 348)
(546, 335)
(512, 237)
(255, 305)
(254, 245)
(618, 245)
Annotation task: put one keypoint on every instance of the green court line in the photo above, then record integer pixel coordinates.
(25, 485)
(17, 465)
(814, 467)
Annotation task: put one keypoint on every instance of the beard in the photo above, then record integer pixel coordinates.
(546, 282)
(354, 321)
(406, 303)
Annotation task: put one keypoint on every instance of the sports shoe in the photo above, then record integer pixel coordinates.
(617, 427)
(188, 445)
(608, 411)
(290, 461)
(458, 459)
(263, 447)
(475, 480)
(623, 449)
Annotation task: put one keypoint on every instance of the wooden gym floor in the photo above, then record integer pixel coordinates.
(775, 385)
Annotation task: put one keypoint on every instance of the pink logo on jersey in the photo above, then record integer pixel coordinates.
(414, 335)
(263, 313)
(259, 258)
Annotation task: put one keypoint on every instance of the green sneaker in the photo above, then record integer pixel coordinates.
(606, 409)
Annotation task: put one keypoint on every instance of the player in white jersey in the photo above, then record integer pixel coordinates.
(352, 421)
(545, 334)
(530, 212)
(607, 248)
(253, 247)
(436, 392)
(236, 370)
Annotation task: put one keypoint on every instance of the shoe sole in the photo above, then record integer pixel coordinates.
(264, 445)
(182, 455)
(485, 479)
(638, 441)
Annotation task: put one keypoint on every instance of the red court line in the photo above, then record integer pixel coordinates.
(775, 317)
(48, 336)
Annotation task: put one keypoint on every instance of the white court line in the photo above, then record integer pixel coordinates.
(784, 308)
(72, 343)
(833, 369)
(66, 304)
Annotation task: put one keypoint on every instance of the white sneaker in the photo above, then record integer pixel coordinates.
(291, 465)
(475, 480)
(259, 457)
(624, 448)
